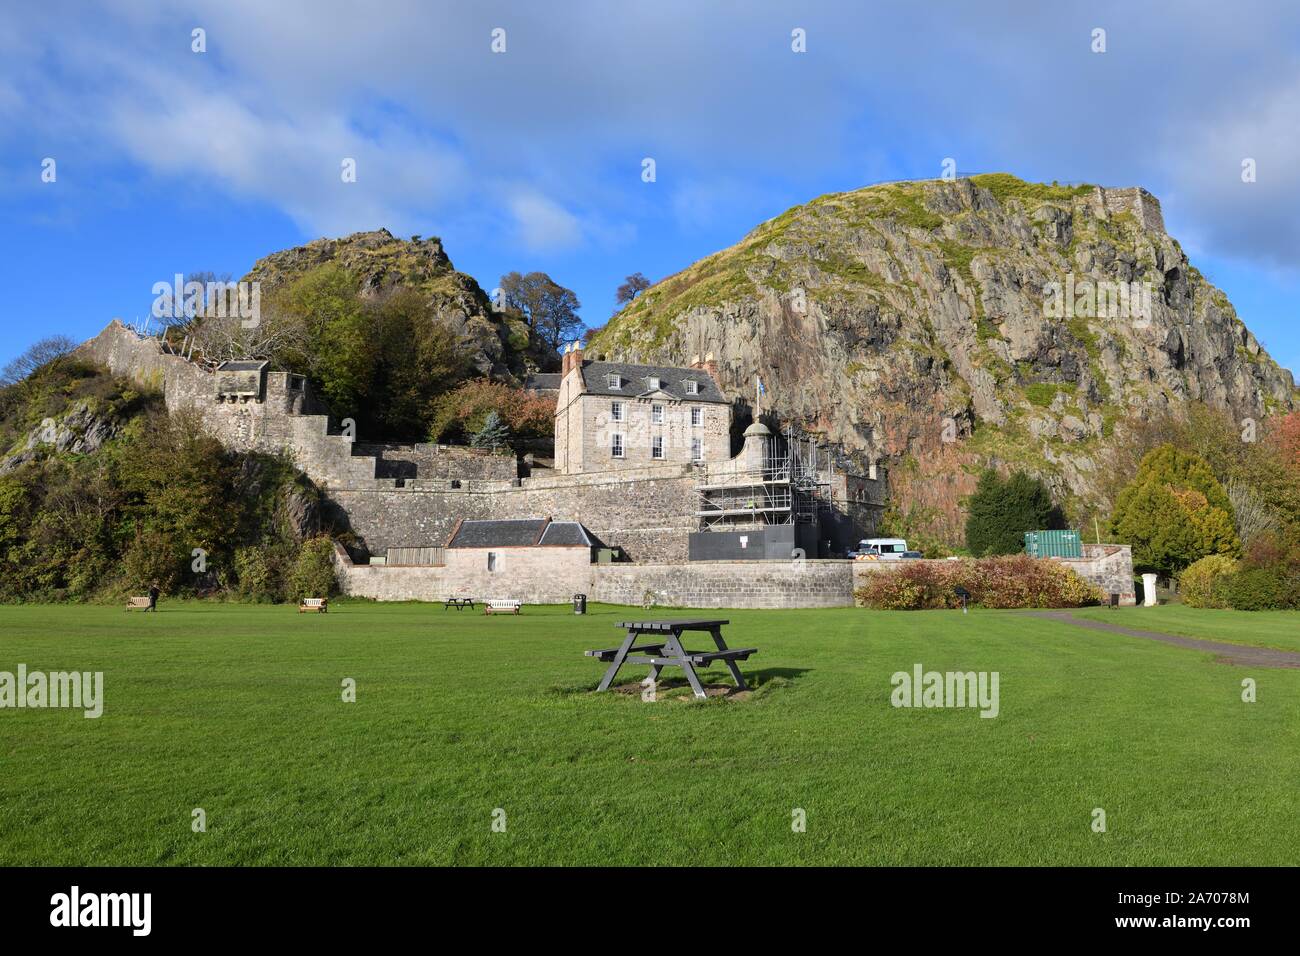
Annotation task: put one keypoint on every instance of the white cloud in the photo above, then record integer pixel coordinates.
(542, 225)
(444, 131)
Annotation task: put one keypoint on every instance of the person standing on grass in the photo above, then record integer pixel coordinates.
(154, 591)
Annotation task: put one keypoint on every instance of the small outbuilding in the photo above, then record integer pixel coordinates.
(519, 546)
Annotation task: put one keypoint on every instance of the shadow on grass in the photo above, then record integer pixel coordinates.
(716, 681)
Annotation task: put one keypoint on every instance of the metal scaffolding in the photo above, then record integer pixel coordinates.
(790, 489)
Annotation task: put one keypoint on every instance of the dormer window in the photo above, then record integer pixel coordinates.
(614, 381)
(654, 384)
(692, 387)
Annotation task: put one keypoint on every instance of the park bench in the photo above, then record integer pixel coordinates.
(458, 603)
(670, 653)
(501, 606)
(137, 604)
(319, 605)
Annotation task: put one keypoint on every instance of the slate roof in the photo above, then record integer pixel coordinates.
(544, 382)
(635, 381)
(568, 533)
(520, 533)
(242, 365)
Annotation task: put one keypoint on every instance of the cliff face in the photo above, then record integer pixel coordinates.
(946, 325)
(500, 344)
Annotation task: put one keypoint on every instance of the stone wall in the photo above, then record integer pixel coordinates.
(1109, 566)
(287, 420)
(434, 461)
(554, 575)
(648, 513)
(739, 584)
(1134, 200)
(545, 576)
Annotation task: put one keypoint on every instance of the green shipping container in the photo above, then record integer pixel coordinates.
(1053, 544)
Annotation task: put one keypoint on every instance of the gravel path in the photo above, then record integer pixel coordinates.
(1224, 653)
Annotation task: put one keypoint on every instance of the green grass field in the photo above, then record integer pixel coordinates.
(237, 710)
(1280, 629)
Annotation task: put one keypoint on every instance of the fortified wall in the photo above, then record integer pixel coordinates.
(412, 495)
(700, 584)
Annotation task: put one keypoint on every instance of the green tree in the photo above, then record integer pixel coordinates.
(1000, 512)
(493, 434)
(1174, 512)
(632, 287)
(550, 309)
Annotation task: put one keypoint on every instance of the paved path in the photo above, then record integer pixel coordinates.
(1224, 653)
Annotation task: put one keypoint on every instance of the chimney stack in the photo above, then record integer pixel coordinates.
(564, 363)
(575, 356)
(711, 366)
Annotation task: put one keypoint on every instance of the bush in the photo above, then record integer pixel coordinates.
(463, 412)
(256, 578)
(154, 556)
(1201, 583)
(1017, 581)
(313, 574)
(1261, 589)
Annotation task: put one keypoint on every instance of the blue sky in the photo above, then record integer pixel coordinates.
(172, 161)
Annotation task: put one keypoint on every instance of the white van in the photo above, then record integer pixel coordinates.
(880, 549)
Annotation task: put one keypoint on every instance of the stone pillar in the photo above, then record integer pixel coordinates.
(1148, 590)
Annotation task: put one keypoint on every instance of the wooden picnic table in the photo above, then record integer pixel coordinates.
(669, 652)
(458, 603)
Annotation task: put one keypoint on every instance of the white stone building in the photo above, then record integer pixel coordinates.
(612, 416)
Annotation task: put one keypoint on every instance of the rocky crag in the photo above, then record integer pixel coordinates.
(499, 342)
(925, 324)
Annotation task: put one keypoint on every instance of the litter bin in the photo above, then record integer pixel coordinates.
(580, 604)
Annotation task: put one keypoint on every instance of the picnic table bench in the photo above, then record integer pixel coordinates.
(458, 603)
(669, 651)
(500, 606)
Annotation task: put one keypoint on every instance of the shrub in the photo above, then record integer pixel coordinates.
(154, 556)
(1261, 589)
(256, 579)
(1201, 583)
(313, 574)
(463, 412)
(1017, 581)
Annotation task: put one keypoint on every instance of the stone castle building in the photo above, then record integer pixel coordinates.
(411, 496)
(614, 416)
(680, 519)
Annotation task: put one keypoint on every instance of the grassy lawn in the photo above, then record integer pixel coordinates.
(237, 710)
(1280, 629)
